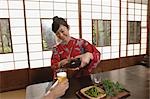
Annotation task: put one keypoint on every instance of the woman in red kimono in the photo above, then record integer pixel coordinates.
(72, 48)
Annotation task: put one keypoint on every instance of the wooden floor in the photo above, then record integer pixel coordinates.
(138, 70)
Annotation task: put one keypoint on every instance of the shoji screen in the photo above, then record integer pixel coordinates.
(103, 10)
(14, 11)
(47, 9)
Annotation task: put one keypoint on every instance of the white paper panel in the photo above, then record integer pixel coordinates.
(144, 6)
(19, 48)
(115, 55)
(72, 7)
(6, 66)
(87, 37)
(74, 30)
(144, 12)
(130, 53)
(123, 47)
(123, 29)
(124, 17)
(124, 4)
(144, 18)
(114, 42)
(137, 18)
(59, 6)
(96, 16)
(138, 6)
(3, 4)
(33, 22)
(105, 9)
(131, 17)
(86, 8)
(96, 2)
(4, 14)
(32, 14)
(45, 0)
(136, 52)
(115, 3)
(130, 47)
(72, 14)
(86, 23)
(144, 35)
(34, 39)
(143, 51)
(87, 30)
(123, 36)
(115, 10)
(6, 57)
(18, 31)
(144, 30)
(46, 14)
(137, 46)
(100, 49)
(124, 24)
(96, 8)
(60, 13)
(114, 48)
(46, 5)
(21, 64)
(35, 47)
(105, 56)
(18, 39)
(47, 54)
(115, 29)
(59, 1)
(33, 55)
(85, 1)
(106, 2)
(17, 22)
(137, 12)
(16, 13)
(123, 11)
(47, 63)
(144, 24)
(143, 41)
(114, 23)
(130, 5)
(36, 63)
(123, 41)
(115, 36)
(130, 11)
(34, 31)
(73, 22)
(86, 15)
(31, 5)
(20, 56)
(123, 53)
(115, 16)
(72, 1)
(106, 49)
(143, 46)
(106, 16)
(15, 4)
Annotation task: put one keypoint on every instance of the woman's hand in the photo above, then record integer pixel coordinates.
(63, 62)
(59, 90)
(85, 58)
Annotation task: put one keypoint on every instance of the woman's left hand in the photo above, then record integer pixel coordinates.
(85, 59)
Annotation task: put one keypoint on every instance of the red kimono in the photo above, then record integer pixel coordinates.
(73, 48)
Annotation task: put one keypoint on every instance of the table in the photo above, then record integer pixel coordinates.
(134, 79)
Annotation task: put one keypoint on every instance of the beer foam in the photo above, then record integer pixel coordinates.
(62, 74)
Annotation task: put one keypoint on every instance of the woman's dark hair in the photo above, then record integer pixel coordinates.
(57, 21)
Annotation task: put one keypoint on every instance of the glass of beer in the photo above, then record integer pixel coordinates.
(61, 74)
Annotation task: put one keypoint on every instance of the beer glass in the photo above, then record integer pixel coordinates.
(61, 74)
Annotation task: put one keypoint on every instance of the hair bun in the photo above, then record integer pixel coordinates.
(55, 18)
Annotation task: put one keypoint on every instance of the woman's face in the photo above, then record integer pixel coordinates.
(63, 33)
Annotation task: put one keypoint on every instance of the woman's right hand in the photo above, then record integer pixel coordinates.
(63, 62)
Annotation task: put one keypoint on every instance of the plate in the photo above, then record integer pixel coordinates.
(93, 92)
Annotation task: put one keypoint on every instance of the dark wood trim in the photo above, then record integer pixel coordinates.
(80, 18)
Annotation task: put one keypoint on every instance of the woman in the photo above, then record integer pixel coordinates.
(72, 48)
